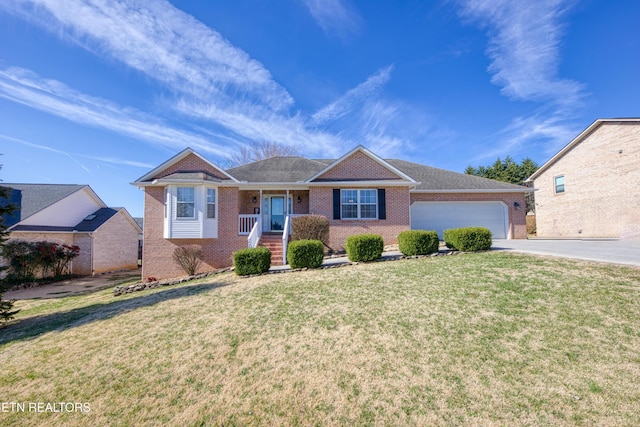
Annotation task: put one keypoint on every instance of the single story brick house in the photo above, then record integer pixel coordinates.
(74, 215)
(190, 201)
(590, 188)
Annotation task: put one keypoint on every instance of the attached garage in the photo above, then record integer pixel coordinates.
(440, 216)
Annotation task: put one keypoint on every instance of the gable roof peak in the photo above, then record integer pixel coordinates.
(362, 149)
(175, 159)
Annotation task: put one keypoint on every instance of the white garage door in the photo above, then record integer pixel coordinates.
(442, 215)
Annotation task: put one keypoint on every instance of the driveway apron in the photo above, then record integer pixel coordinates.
(610, 251)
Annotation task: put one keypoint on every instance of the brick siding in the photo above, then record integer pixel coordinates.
(115, 245)
(158, 252)
(601, 198)
(192, 163)
(397, 206)
(358, 166)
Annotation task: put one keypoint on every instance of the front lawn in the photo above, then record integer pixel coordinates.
(476, 339)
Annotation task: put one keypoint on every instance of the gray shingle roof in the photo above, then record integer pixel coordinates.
(95, 220)
(431, 178)
(90, 224)
(296, 169)
(190, 176)
(278, 169)
(35, 197)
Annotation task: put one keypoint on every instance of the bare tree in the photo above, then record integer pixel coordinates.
(256, 151)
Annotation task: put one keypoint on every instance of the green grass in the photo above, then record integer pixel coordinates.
(476, 339)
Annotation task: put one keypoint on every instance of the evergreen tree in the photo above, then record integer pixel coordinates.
(506, 170)
(6, 307)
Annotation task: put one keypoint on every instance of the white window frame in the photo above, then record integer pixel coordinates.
(192, 203)
(358, 203)
(555, 184)
(209, 203)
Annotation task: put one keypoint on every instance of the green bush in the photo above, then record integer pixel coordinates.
(310, 227)
(468, 239)
(364, 247)
(305, 254)
(252, 261)
(418, 242)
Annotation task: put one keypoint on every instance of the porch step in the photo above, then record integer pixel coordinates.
(274, 244)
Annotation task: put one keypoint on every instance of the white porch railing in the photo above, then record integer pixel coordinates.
(246, 223)
(254, 236)
(285, 238)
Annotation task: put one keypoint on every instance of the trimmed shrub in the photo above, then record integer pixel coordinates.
(310, 227)
(468, 239)
(252, 261)
(305, 254)
(188, 258)
(364, 247)
(418, 242)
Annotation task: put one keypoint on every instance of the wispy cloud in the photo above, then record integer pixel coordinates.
(225, 97)
(45, 148)
(335, 17)
(27, 88)
(352, 97)
(162, 42)
(364, 115)
(524, 47)
(551, 132)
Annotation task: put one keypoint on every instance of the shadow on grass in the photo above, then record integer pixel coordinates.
(31, 327)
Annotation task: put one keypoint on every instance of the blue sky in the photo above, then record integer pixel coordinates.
(99, 92)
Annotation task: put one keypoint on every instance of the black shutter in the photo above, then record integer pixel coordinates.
(336, 203)
(382, 204)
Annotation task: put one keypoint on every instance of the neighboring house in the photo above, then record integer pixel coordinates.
(190, 201)
(591, 188)
(75, 215)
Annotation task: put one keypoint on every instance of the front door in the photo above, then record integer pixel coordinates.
(277, 213)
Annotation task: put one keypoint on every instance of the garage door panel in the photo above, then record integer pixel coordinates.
(440, 216)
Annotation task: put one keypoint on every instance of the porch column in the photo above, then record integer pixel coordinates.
(286, 204)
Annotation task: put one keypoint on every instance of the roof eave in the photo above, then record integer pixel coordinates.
(483, 190)
(575, 141)
(368, 183)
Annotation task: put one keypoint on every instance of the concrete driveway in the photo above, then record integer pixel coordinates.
(74, 286)
(611, 251)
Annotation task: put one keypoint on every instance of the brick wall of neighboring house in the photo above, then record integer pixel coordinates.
(81, 265)
(157, 251)
(601, 198)
(115, 245)
(517, 218)
(397, 207)
(358, 166)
